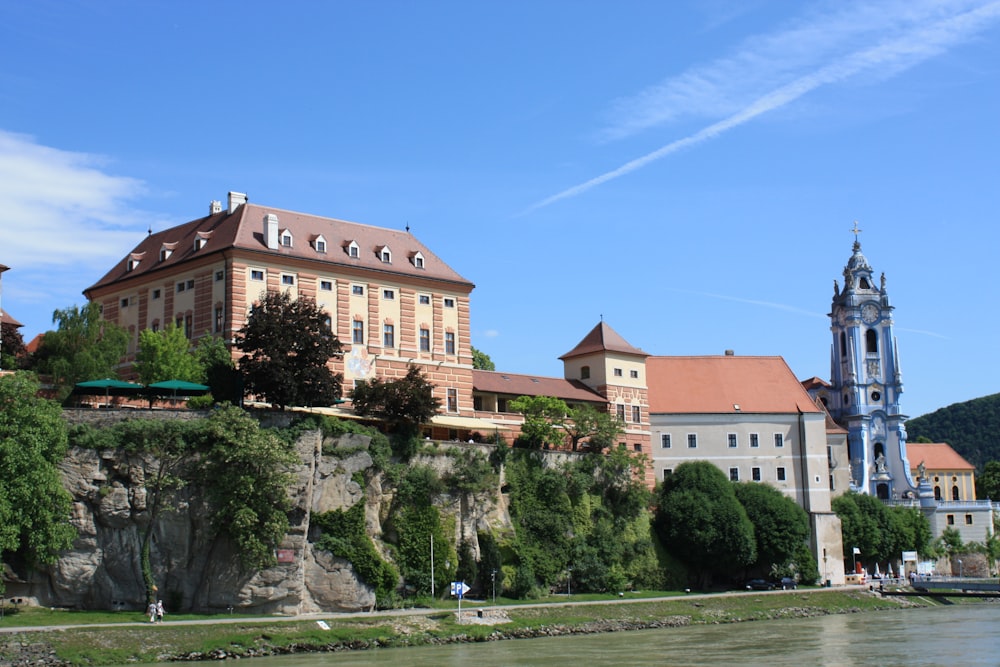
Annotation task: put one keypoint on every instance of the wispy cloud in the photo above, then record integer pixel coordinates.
(772, 71)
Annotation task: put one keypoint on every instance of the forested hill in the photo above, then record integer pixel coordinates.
(972, 428)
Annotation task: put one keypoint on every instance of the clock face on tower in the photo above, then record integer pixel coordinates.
(869, 312)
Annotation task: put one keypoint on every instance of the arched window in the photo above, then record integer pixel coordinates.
(882, 491)
(843, 344)
(871, 341)
(585, 372)
(937, 493)
(879, 449)
(954, 493)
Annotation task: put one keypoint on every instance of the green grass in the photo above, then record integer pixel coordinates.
(83, 645)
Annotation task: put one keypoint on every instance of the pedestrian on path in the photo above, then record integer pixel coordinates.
(159, 611)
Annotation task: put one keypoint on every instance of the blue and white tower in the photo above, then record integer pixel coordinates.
(866, 382)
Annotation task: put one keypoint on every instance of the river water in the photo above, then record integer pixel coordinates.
(956, 635)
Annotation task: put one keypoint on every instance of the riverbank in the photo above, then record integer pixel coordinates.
(235, 638)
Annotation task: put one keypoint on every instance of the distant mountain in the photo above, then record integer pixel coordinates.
(972, 428)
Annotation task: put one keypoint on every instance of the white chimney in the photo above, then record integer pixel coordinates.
(271, 230)
(236, 199)
(215, 207)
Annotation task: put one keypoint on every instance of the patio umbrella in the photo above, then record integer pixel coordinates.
(177, 388)
(889, 571)
(107, 387)
(877, 573)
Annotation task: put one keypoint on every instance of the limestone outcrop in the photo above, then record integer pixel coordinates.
(196, 567)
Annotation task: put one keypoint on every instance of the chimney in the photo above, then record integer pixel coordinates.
(271, 230)
(236, 199)
(215, 207)
(730, 353)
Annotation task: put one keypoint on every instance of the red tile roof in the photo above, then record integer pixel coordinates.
(493, 382)
(814, 382)
(603, 338)
(7, 319)
(936, 456)
(717, 384)
(244, 230)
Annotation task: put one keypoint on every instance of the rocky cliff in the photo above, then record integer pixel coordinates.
(195, 568)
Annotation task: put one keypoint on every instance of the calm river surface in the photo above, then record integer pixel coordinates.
(958, 635)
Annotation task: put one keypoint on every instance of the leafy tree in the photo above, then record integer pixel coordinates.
(246, 472)
(544, 420)
(586, 421)
(416, 522)
(34, 507)
(220, 372)
(988, 482)
(404, 404)
(781, 527)
(166, 355)
(481, 361)
(701, 522)
(969, 427)
(880, 532)
(288, 344)
(83, 347)
(12, 352)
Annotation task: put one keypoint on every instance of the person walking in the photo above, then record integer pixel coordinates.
(159, 611)
(151, 610)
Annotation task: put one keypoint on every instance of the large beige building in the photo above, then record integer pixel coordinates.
(391, 301)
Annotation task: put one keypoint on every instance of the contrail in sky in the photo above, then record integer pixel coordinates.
(894, 55)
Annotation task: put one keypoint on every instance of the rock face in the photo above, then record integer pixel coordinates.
(196, 568)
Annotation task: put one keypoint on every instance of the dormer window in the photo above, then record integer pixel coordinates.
(166, 250)
(286, 238)
(418, 260)
(199, 243)
(353, 249)
(319, 244)
(132, 264)
(385, 254)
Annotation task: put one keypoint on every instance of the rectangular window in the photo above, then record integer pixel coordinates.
(781, 473)
(155, 327)
(755, 474)
(665, 441)
(734, 474)
(620, 411)
(124, 303)
(636, 414)
(618, 372)
(287, 279)
(692, 440)
(501, 405)
(388, 335)
(256, 274)
(180, 287)
(452, 400)
(190, 284)
(951, 519)
(219, 276)
(188, 325)
(219, 319)
(633, 374)
(156, 294)
(667, 472)
(449, 303)
(779, 440)
(425, 340)
(320, 246)
(425, 299)
(358, 290)
(968, 519)
(754, 440)
(449, 342)
(388, 294)
(326, 285)
(731, 437)
(179, 322)
(358, 332)
(286, 240)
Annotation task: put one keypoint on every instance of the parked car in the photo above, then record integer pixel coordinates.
(760, 585)
(788, 584)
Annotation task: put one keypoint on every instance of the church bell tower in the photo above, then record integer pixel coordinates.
(866, 382)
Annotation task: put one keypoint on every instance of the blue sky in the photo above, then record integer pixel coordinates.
(690, 171)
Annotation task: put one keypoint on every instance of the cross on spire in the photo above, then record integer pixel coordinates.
(856, 231)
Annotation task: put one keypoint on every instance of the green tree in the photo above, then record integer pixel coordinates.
(416, 522)
(586, 421)
(220, 372)
(701, 522)
(404, 404)
(83, 347)
(167, 355)
(988, 482)
(287, 344)
(544, 420)
(12, 352)
(246, 471)
(862, 519)
(481, 361)
(780, 525)
(34, 507)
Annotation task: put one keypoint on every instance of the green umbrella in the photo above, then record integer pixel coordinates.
(108, 387)
(177, 388)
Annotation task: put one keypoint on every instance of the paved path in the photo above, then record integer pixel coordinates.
(468, 605)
